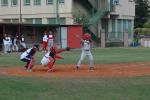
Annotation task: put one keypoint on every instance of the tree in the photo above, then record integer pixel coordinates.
(142, 12)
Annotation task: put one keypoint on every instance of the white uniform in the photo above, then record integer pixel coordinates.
(50, 41)
(22, 42)
(6, 44)
(25, 54)
(46, 59)
(85, 51)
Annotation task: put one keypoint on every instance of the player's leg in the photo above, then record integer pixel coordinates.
(27, 63)
(91, 61)
(50, 64)
(80, 60)
(31, 64)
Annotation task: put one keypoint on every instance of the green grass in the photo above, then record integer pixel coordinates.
(25, 88)
(38, 88)
(101, 56)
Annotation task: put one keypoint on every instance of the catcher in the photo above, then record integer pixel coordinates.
(50, 57)
(28, 57)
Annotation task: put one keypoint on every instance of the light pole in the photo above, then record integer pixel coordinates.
(20, 19)
(20, 13)
(57, 11)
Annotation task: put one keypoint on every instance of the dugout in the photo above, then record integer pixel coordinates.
(65, 35)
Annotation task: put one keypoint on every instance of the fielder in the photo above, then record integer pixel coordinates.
(50, 57)
(28, 57)
(85, 51)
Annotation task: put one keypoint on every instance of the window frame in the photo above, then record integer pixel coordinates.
(49, 3)
(27, 4)
(12, 3)
(3, 3)
(37, 3)
(61, 1)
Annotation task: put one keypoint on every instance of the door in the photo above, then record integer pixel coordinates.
(63, 37)
(74, 36)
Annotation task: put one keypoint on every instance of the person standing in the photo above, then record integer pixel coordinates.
(85, 51)
(50, 40)
(22, 42)
(44, 42)
(14, 44)
(5, 42)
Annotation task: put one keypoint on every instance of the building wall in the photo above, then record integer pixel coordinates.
(125, 9)
(43, 11)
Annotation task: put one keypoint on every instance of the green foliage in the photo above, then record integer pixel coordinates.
(141, 12)
(142, 31)
(80, 18)
(147, 24)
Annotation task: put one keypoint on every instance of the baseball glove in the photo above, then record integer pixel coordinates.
(67, 48)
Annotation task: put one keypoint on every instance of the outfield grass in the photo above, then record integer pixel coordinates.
(38, 88)
(101, 56)
(25, 88)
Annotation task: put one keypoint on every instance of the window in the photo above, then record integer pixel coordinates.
(4, 2)
(26, 2)
(37, 2)
(51, 20)
(7, 20)
(116, 2)
(29, 20)
(14, 2)
(38, 20)
(61, 1)
(62, 21)
(49, 1)
(15, 20)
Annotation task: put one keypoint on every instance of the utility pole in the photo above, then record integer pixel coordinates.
(57, 11)
(20, 13)
(20, 19)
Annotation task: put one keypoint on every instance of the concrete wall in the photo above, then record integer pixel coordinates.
(43, 11)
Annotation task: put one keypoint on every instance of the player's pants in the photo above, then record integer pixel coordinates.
(23, 45)
(83, 54)
(50, 44)
(44, 46)
(29, 64)
(6, 46)
(48, 62)
(15, 47)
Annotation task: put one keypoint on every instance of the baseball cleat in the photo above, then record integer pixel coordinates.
(91, 69)
(77, 68)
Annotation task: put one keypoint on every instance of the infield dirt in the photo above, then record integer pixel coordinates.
(68, 70)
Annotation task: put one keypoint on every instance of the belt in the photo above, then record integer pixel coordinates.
(86, 50)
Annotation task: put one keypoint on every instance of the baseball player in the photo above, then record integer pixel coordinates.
(85, 51)
(50, 41)
(50, 57)
(44, 42)
(28, 57)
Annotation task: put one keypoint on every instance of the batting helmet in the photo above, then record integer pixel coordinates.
(87, 36)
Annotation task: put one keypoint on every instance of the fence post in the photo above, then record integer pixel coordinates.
(126, 38)
(102, 39)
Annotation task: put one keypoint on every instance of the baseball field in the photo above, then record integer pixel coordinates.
(120, 74)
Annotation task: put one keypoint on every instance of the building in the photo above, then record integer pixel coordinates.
(112, 17)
